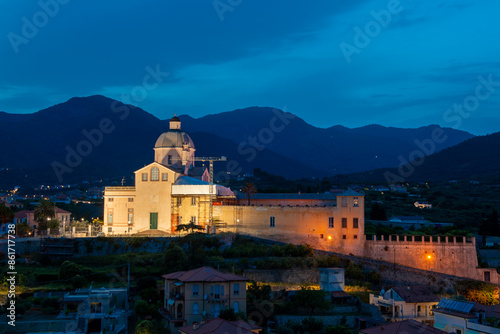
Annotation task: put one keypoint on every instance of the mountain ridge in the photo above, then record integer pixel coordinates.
(256, 137)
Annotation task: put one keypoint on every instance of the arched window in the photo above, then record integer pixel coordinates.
(155, 174)
(236, 307)
(195, 308)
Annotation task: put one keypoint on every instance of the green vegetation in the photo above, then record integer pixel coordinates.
(6, 215)
(311, 299)
(151, 327)
(480, 292)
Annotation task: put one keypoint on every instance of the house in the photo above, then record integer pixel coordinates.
(28, 216)
(406, 302)
(96, 310)
(60, 198)
(422, 205)
(381, 189)
(332, 280)
(461, 317)
(219, 325)
(403, 327)
(200, 294)
(408, 219)
(398, 188)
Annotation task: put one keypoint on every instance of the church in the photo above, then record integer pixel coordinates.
(172, 191)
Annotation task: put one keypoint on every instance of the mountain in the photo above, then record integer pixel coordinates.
(95, 137)
(475, 158)
(333, 150)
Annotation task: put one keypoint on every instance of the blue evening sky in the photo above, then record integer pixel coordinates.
(396, 63)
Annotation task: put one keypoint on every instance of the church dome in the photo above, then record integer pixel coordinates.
(174, 138)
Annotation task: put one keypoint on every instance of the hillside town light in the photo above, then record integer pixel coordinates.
(329, 237)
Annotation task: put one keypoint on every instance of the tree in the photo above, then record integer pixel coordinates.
(151, 327)
(378, 212)
(22, 229)
(257, 291)
(174, 258)
(6, 215)
(480, 292)
(45, 212)
(312, 325)
(337, 329)
(249, 189)
(311, 299)
(191, 226)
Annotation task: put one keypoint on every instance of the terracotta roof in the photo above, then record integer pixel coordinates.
(403, 327)
(416, 294)
(219, 325)
(22, 214)
(203, 274)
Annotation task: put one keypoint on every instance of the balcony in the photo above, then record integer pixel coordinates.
(217, 299)
(176, 295)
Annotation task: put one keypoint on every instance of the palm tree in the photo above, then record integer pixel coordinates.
(45, 211)
(249, 189)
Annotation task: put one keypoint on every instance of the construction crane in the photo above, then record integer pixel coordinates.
(211, 190)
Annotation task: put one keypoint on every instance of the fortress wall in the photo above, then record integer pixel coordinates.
(451, 255)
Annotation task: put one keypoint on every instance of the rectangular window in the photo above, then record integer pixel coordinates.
(95, 307)
(344, 237)
(321, 236)
(236, 288)
(217, 291)
(179, 201)
(155, 174)
(272, 221)
(355, 236)
(344, 222)
(130, 199)
(356, 202)
(110, 218)
(222, 290)
(330, 222)
(193, 219)
(344, 201)
(130, 218)
(144, 176)
(193, 201)
(110, 229)
(169, 160)
(164, 176)
(211, 290)
(110, 199)
(195, 289)
(355, 223)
